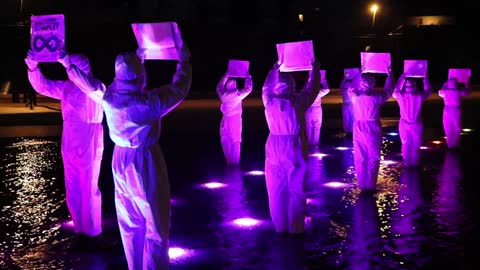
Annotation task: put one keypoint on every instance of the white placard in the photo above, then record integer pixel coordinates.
(415, 68)
(237, 68)
(462, 74)
(161, 41)
(47, 36)
(375, 62)
(295, 56)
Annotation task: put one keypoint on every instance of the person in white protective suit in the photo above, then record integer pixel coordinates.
(410, 127)
(314, 115)
(82, 144)
(347, 111)
(231, 123)
(142, 190)
(452, 94)
(367, 129)
(286, 146)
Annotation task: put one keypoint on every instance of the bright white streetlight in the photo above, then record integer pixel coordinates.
(374, 9)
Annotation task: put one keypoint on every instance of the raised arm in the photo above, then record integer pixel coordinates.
(324, 88)
(248, 87)
(468, 89)
(270, 82)
(171, 95)
(389, 86)
(44, 86)
(85, 82)
(221, 85)
(427, 88)
(312, 87)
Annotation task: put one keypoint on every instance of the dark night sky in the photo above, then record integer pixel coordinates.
(221, 29)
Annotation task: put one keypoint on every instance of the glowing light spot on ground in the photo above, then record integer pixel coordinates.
(246, 222)
(213, 185)
(342, 148)
(318, 155)
(335, 184)
(255, 173)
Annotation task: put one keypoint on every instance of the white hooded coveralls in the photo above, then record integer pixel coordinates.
(314, 115)
(82, 146)
(142, 191)
(367, 132)
(231, 123)
(286, 149)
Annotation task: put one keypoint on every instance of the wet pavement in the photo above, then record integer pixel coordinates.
(425, 218)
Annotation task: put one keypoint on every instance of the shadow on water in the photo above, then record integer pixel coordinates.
(421, 218)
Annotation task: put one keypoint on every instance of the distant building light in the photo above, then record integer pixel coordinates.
(300, 17)
(431, 20)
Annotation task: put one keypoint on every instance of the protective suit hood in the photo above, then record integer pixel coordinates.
(367, 82)
(129, 67)
(285, 84)
(81, 61)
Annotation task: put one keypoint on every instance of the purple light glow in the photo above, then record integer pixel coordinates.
(342, 148)
(318, 155)
(392, 133)
(255, 173)
(176, 253)
(68, 224)
(335, 184)
(246, 222)
(388, 162)
(213, 185)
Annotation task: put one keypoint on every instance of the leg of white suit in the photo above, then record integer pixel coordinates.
(231, 138)
(411, 135)
(82, 150)
(367, 139)
(347, 117)
(142, 200)
(297, 200)
(452, 125)
(314, 125)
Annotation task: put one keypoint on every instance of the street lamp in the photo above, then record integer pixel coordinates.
(374, 9)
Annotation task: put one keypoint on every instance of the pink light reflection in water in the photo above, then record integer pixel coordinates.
(68, 224)
(255, 173)
(177, 253)
(335, 185)
(246, 222)
(213, 185)
(318, 155)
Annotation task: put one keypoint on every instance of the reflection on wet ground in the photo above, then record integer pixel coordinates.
(421, 218)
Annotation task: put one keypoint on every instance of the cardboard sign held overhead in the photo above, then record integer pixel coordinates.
(237, 68)
(47, 36)
(373, 62)
(350, 73)
(161, 41)
(462, 74)
(415, 68)
(295, 56)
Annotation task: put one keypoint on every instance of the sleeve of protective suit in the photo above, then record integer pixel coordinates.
(309, 93)
(221, 86)
(269, 84)
(324, 89)
(399, 84)
(89, 85)
(44, 86)
(171, 95)
(467, 90)
(389, 87)
(441, 91)
(247, 89)
(427, 88)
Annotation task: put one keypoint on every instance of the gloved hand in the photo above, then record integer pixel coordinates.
(64, 59)
(141, 53)
(31, 64)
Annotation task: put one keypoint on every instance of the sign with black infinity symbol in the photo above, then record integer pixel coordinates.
(47, 36)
